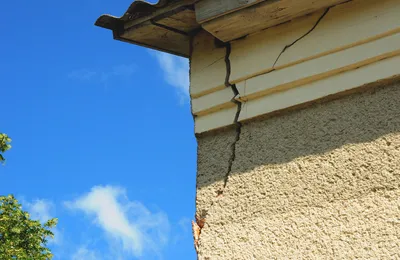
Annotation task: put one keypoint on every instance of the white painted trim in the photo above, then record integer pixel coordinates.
(341, 82)
(214, 101)
(215, 120)
(321, 68)
(207, 66)
(344, 51)
(344, 26)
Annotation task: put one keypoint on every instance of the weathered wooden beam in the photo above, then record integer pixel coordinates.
(211, 9)
(165, 11)
(158, 37)
(261, 16)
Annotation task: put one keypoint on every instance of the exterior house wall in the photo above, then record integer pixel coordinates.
(322, 182)
(298, 130)
(297, 118)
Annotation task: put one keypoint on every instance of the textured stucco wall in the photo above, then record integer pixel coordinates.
(319, 183)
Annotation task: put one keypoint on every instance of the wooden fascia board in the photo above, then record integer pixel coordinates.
(211, 9)
(162, 12)
(258, 16)
(117, 37)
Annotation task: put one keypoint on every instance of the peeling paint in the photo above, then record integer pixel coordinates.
(196, 228)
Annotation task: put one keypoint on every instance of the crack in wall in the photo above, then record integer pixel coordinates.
(201, 216)
(301, 37)
(238, 125)
(198, 225)
(233, 148)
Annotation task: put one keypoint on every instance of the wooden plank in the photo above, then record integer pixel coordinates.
(340, 29)
(257, 53)
(160, 11)
(261, 16)
(384, 69)
(321, 68)
(344, 52)
(212, 102)
(207, 66)
(211, 9)
(184, 21)
(156, 37)
(215, 101)
(300, 74)
(215, 120)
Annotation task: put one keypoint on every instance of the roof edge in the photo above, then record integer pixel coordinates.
(137, 9)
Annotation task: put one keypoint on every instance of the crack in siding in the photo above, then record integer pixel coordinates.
(238, 125)
(214, 62)
(301, 37)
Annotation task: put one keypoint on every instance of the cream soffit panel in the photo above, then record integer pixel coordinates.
(215, 101)
(301, 74)
(257, 53)
(352, 24)
(343, 26)
(320, 68)
(263, 15)
(215, 120)
(207, 66)
(376, 71)
(356, 77)
(343, 55)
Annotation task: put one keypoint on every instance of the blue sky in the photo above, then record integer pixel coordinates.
(102, 133)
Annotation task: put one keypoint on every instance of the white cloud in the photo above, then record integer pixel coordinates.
(129, 224)
(176, 72)
(85, 254)
(41, 210)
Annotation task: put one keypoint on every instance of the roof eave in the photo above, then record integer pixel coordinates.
(140, 25)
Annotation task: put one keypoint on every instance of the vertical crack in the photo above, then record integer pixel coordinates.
(198, 225)
(228, 66)
(304, 35)
(238, 128)
(238, 125)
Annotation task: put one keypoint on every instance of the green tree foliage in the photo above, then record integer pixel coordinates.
(20, 237)
(4, 145)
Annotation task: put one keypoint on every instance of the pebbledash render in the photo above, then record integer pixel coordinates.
(297, 117)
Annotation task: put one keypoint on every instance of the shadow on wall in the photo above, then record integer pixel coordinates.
(317, 129)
